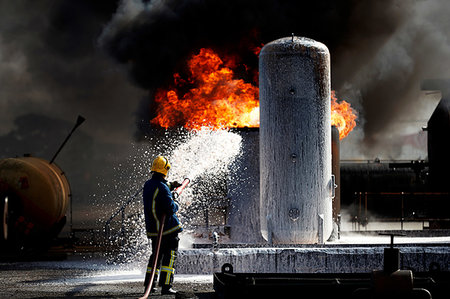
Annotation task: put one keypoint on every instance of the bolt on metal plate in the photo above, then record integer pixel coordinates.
(294, 214)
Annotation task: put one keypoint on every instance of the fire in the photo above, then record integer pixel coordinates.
(212, 97)
(216, 99)
(342, 116)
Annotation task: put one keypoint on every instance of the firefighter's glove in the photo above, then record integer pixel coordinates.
(174, 185)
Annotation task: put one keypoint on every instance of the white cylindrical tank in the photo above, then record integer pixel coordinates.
(243, 191)
(295, 142)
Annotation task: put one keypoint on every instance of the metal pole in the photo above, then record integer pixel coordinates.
(80, 120)
(403, 213)
(71, 218)
(365, 210)
(359, 212)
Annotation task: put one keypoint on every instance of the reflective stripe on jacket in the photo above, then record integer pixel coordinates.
(158, 200)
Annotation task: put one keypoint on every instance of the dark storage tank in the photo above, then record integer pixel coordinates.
(439, 146)
(438, 129)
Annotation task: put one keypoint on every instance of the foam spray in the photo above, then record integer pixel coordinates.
(207, 157)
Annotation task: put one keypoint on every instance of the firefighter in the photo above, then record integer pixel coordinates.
(158, 200)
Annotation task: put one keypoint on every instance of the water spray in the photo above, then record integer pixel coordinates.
(205, 157)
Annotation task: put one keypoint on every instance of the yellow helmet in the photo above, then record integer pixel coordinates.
(161, 165)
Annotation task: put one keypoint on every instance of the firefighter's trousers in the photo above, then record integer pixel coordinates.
(166, 261)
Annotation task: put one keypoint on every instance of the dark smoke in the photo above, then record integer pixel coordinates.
(51, 71)
(50, 64)
(380, 50)
(156, 39)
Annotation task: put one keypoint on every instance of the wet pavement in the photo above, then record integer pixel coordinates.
(88, 278)
(65, 274)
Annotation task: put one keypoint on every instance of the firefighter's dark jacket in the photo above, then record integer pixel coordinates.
(158, 200)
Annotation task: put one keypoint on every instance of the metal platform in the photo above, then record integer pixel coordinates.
(228, 284)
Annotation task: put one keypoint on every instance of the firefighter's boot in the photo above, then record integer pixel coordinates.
(167, 290)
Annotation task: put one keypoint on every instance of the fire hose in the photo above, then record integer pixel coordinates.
(176, 193)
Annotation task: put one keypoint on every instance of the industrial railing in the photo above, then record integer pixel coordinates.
(397, 206)
(120, 211)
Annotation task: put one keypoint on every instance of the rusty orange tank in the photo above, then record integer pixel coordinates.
(34, 197)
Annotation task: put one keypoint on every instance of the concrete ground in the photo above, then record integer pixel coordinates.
(92, 276)
(89, 278)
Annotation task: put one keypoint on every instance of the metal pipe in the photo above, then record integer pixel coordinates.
(365, 209)
(402, 212)
(80, 120)
(335, 169)
(359, 212)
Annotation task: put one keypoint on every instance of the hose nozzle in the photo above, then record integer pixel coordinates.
(176, 193)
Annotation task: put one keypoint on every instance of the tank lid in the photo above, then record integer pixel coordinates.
(295, 44)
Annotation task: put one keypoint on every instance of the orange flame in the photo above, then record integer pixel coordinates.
(342, 116)
(217, 100)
